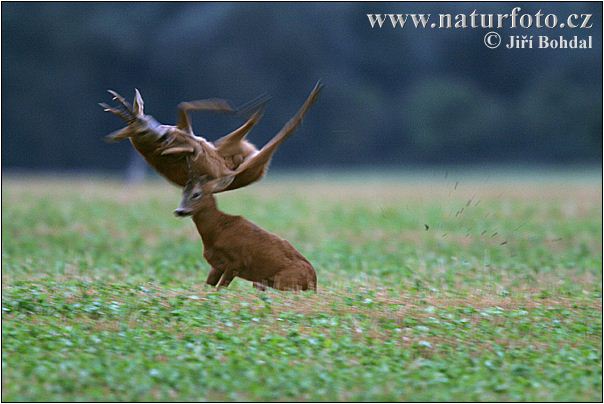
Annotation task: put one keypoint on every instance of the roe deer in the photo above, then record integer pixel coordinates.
(234, 246)
(164, 146)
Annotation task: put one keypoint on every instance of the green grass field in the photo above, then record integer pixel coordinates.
(430, 288)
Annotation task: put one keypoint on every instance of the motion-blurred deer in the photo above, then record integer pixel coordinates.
(165, 147)
(236, 247)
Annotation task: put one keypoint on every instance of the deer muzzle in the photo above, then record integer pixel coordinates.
(183, 212)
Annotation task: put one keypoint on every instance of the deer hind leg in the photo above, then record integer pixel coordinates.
(255, 166)
(259, 286)
(213, 277)
(294, 279)
(270, 282)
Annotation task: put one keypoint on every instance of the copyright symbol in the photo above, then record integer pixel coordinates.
(492, 40)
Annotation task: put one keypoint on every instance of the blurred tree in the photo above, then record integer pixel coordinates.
(451, 120)
(393, 96)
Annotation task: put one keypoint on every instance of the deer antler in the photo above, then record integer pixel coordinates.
(124, 109)
(132, 115)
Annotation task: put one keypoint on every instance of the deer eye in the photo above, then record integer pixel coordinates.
(196, 195)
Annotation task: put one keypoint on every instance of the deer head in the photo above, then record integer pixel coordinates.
(199, 190)
(137, 122)
(144, 127)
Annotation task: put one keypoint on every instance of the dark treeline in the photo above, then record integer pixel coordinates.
(393, 96)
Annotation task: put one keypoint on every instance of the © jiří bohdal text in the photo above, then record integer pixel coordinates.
(548, 42)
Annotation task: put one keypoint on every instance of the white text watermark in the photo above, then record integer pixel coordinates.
(514, 19)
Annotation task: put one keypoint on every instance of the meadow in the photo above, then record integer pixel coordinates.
(432, 287)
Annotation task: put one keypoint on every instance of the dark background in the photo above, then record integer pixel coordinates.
(393, 97)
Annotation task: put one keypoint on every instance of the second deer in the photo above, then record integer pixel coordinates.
(236, 247)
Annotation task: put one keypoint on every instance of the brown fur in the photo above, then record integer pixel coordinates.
(236, 247)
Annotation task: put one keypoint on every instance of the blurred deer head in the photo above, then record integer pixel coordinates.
(198, 190)
(171, 149)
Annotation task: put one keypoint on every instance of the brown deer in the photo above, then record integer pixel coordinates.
(236, 247)
(165, 147)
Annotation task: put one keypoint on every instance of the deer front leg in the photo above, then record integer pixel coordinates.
(262, 285)
(140, 127)
(226, 278)
(213, 277)
(214, 104)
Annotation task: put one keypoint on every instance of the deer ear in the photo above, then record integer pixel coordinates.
(138, 103)
(220, 184)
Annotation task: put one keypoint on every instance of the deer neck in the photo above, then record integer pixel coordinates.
(207, 219)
